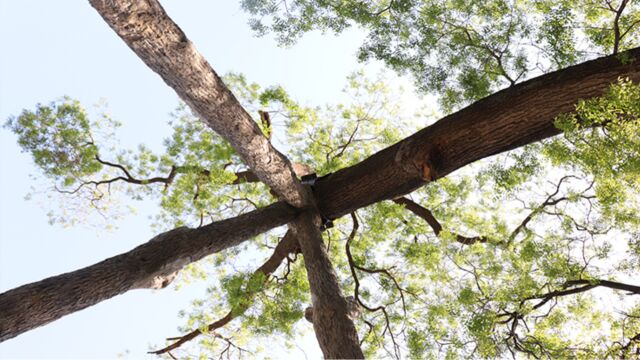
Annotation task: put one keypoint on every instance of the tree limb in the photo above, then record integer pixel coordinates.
(287, 245)
(160, 43)
(334, 328)
(513, 117)
(152, 265)
(427, 216)
(521, 114)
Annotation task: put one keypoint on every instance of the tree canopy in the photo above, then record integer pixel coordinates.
(509, 227)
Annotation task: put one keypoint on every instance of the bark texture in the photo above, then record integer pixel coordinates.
(152, 265)
(333, 326)
(160, 43)
(516, 116)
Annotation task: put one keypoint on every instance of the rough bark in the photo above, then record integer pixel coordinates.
(516, 116)
(160, 43)
(248, 176)
(151, 265)
(333, 326)
(519, 117)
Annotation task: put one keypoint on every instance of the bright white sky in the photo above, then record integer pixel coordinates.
(55, 48)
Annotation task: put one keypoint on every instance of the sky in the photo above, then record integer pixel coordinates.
(55, 48)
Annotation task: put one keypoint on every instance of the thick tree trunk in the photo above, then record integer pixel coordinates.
(151, 265)
(333, 327)
(160, 43)
(513, 117)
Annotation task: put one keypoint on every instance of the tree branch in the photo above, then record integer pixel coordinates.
(427, 216)
(334, 328)
(152, 265)
(570, 287)
(513, 117)
(248, 176)
(160, 43)
(287, 245)
(356, 290)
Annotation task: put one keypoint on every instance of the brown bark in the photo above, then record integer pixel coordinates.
(248, 176)
(151, 265)
(508, 119)
(333, 327)
(160, 43)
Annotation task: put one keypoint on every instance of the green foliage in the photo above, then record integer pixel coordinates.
(461, 50)
(601, 139)
(58, 137)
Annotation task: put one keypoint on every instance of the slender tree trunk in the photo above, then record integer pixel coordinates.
(152, 265)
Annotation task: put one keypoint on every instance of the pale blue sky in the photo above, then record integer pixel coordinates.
(55, 48)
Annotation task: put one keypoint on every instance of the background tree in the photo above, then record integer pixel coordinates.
(497, 258)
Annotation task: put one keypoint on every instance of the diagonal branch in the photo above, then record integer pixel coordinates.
(513, 117)
(160, 43)
(427, 216)
(571, 287)
(248, 176)
(287, 245)
(519, 115)
(151, 265)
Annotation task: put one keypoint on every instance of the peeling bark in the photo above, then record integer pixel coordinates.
(151, 265)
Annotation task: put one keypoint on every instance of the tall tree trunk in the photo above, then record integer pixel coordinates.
(152, 265)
